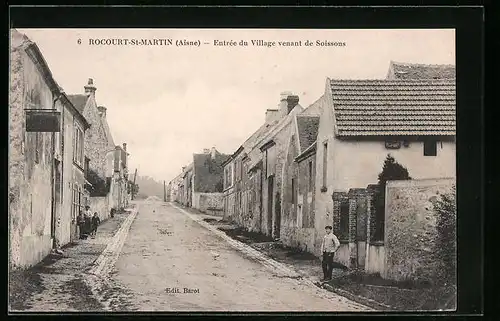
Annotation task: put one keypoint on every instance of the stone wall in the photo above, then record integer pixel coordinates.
(410, 228)
(210, 203)
(297, 221)
(101, 206)
(30, 190)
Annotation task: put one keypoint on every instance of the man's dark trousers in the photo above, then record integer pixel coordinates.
(327, 265)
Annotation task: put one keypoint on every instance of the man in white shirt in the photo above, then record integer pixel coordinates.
(329, 246)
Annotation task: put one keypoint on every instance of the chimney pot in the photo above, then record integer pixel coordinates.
(284, 95)
(213, 153)
(102, 111)
(125, 146)
(206, 151)
(90, 88)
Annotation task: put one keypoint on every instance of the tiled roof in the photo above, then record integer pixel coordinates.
(394, 107)
(308, 130)
(79, 101)
(403, 71)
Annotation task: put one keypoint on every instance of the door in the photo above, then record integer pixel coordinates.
(56, 202)
(277, 216)
(270, 194)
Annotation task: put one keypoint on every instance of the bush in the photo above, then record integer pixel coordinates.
(391, 171)
(446, 210)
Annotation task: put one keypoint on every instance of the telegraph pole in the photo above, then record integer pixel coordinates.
(133, 186)
(164, 192)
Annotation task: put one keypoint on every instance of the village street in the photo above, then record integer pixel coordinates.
(166, 250)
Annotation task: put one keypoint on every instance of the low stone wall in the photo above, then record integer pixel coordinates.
(410, 228)
(375, 258)
(301, 238)
(210, 203)
(101, 206)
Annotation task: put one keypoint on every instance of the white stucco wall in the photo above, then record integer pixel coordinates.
(355, 164)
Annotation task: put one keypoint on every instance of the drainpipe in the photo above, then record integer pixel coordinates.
(53, 204)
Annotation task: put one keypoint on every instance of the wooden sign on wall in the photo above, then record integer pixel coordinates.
(43, 120)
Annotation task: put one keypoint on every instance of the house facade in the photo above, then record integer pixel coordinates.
(207, 181)
(46, 158)
(363, 121)
(31, 155)
(73, 177)
(174, 189)
(119, 179)
(252, 191)
(299, 176)
(101, 151)
(187, 186)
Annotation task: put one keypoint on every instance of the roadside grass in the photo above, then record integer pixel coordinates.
(400, 296)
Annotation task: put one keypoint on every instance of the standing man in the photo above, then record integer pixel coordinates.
(95, 223)
(329, 246)
(80, 221)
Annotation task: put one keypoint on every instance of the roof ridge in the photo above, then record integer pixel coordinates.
(421, 64)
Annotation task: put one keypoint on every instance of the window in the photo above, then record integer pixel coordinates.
(78, 147)
(310, 187)
(242, 166)
(325, 163)
(430, 147)
(293, 191)
(76, 202)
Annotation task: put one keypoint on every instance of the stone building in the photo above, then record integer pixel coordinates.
(46, 134)
(119, 179)
(187, 186)
(72, 178)
(273, 148)
(363, 121)
(174, 189)
(299, 176)
(250, 180)
(100, 150)
(200, 184)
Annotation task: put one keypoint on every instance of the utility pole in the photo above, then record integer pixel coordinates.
(164, 192)
(133, 186)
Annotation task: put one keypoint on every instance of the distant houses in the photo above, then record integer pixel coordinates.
(200, 183)
(306, 168)
(59, 145)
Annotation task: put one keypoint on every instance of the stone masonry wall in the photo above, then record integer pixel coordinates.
(410, 228)
(29, 180)
(210, 203)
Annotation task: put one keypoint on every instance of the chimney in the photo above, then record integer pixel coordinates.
(292, 101)
(213, 152)
(183, 168)
(90, 88)
(206, 151)
(102, 111)
(125, 146)
(272, 115)
(283, 106)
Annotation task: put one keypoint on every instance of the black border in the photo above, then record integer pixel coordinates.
(468, 22)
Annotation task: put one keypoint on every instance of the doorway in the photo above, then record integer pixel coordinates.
(270, 194)
(56, 202)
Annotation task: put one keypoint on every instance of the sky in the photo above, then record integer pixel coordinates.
(168, 102)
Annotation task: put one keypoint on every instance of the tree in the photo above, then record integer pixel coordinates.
(446, 224)
(391, 170)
